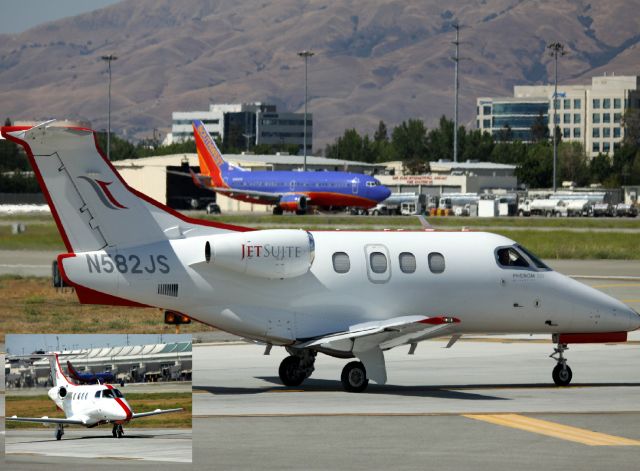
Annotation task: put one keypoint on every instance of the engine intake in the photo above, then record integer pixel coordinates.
(273, 253)
(293, 203)
(62, 392)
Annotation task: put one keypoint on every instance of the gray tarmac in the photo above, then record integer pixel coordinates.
(27, 262)
(164, 445)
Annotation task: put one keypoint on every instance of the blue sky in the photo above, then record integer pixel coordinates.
(18, 16)
(23, 344)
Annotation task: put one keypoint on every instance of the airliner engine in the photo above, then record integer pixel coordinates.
(275, 253)
(292, 202)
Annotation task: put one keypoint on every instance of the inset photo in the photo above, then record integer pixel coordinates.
(92, 396)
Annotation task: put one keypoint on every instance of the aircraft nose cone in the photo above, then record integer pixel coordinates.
(384, 193)
(634, 320)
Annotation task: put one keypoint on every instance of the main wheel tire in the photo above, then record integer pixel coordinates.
(58, 434)
(290, 372)
(354, 377)
(562, 375)
(120, 431)
(277, 211)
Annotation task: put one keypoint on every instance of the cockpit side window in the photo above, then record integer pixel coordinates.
(98, 393)
(107, 393)
(509, 257)
(117, 393)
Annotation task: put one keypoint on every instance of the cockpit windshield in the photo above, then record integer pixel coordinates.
(111, 393)
(517, 256)
(536, 261)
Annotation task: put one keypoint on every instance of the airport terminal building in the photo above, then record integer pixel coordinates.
(245, 125)
(590, 114)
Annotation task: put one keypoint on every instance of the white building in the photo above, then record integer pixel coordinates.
(590, 114)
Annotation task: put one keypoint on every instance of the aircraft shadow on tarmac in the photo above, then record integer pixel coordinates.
(98, 437)
(437, 391)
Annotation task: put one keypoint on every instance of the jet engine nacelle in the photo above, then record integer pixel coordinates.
(293, 203)
(276, 253)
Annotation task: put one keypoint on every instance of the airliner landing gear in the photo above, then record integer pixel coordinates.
(354, 377)
(277, 211)
(59, 431)
(297, 367)
(561, 373)
(117, 431)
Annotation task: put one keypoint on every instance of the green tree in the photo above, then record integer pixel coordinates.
(631, 123)
(120, 148)
(600, 168)
(350, 146)
(572, 163)
(539, 129)
(440, 140)
(477, 145)
(536, 171)
(409, 140)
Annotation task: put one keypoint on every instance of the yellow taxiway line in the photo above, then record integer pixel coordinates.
(553, 429)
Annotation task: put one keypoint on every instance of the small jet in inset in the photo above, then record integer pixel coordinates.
(285, 190)
(87, 405)
(348, 294)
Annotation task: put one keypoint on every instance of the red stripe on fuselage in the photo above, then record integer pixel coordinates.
(122, 404)
(315, 199)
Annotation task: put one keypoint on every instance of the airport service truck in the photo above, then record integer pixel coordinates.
(542, 207)
(401, 203)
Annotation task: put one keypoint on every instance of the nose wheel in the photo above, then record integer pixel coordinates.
(59, 431)
(117, 431)
(561, 373)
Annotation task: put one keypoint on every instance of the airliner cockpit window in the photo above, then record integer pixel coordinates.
(510, 257)
(117, 393)
(107, 393)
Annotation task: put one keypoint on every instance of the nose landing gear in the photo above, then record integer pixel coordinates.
(59, 431)
(117, 431)
(561, 373)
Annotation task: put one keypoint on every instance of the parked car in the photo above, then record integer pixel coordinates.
(213, 208)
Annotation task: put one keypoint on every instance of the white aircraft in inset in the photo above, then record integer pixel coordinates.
(87, 405)
(349, 294)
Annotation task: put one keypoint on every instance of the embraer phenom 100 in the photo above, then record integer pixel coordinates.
(341, 293)
(87, 405)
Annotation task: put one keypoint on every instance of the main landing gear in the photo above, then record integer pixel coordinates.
(297, 367)
(59, 431)
(354, 377)
(561, 373)
(300, 364)
(117, 431)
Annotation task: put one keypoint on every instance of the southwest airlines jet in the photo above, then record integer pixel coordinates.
(285, 190)
(348, 294)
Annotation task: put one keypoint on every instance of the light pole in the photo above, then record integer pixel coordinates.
(555, 49)
(109, 58)
(456, 59)
(306, 54)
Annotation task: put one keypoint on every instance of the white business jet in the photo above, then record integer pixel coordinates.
(87, 405)
(348, 294)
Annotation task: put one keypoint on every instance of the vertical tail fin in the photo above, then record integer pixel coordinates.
(91, 203)
(212, 164)
(57, 375)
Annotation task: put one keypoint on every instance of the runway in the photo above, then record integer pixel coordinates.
(158, 445)
(486, 402)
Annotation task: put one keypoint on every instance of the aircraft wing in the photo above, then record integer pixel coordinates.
(46, 420)
(386, 334)
(156, 412)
